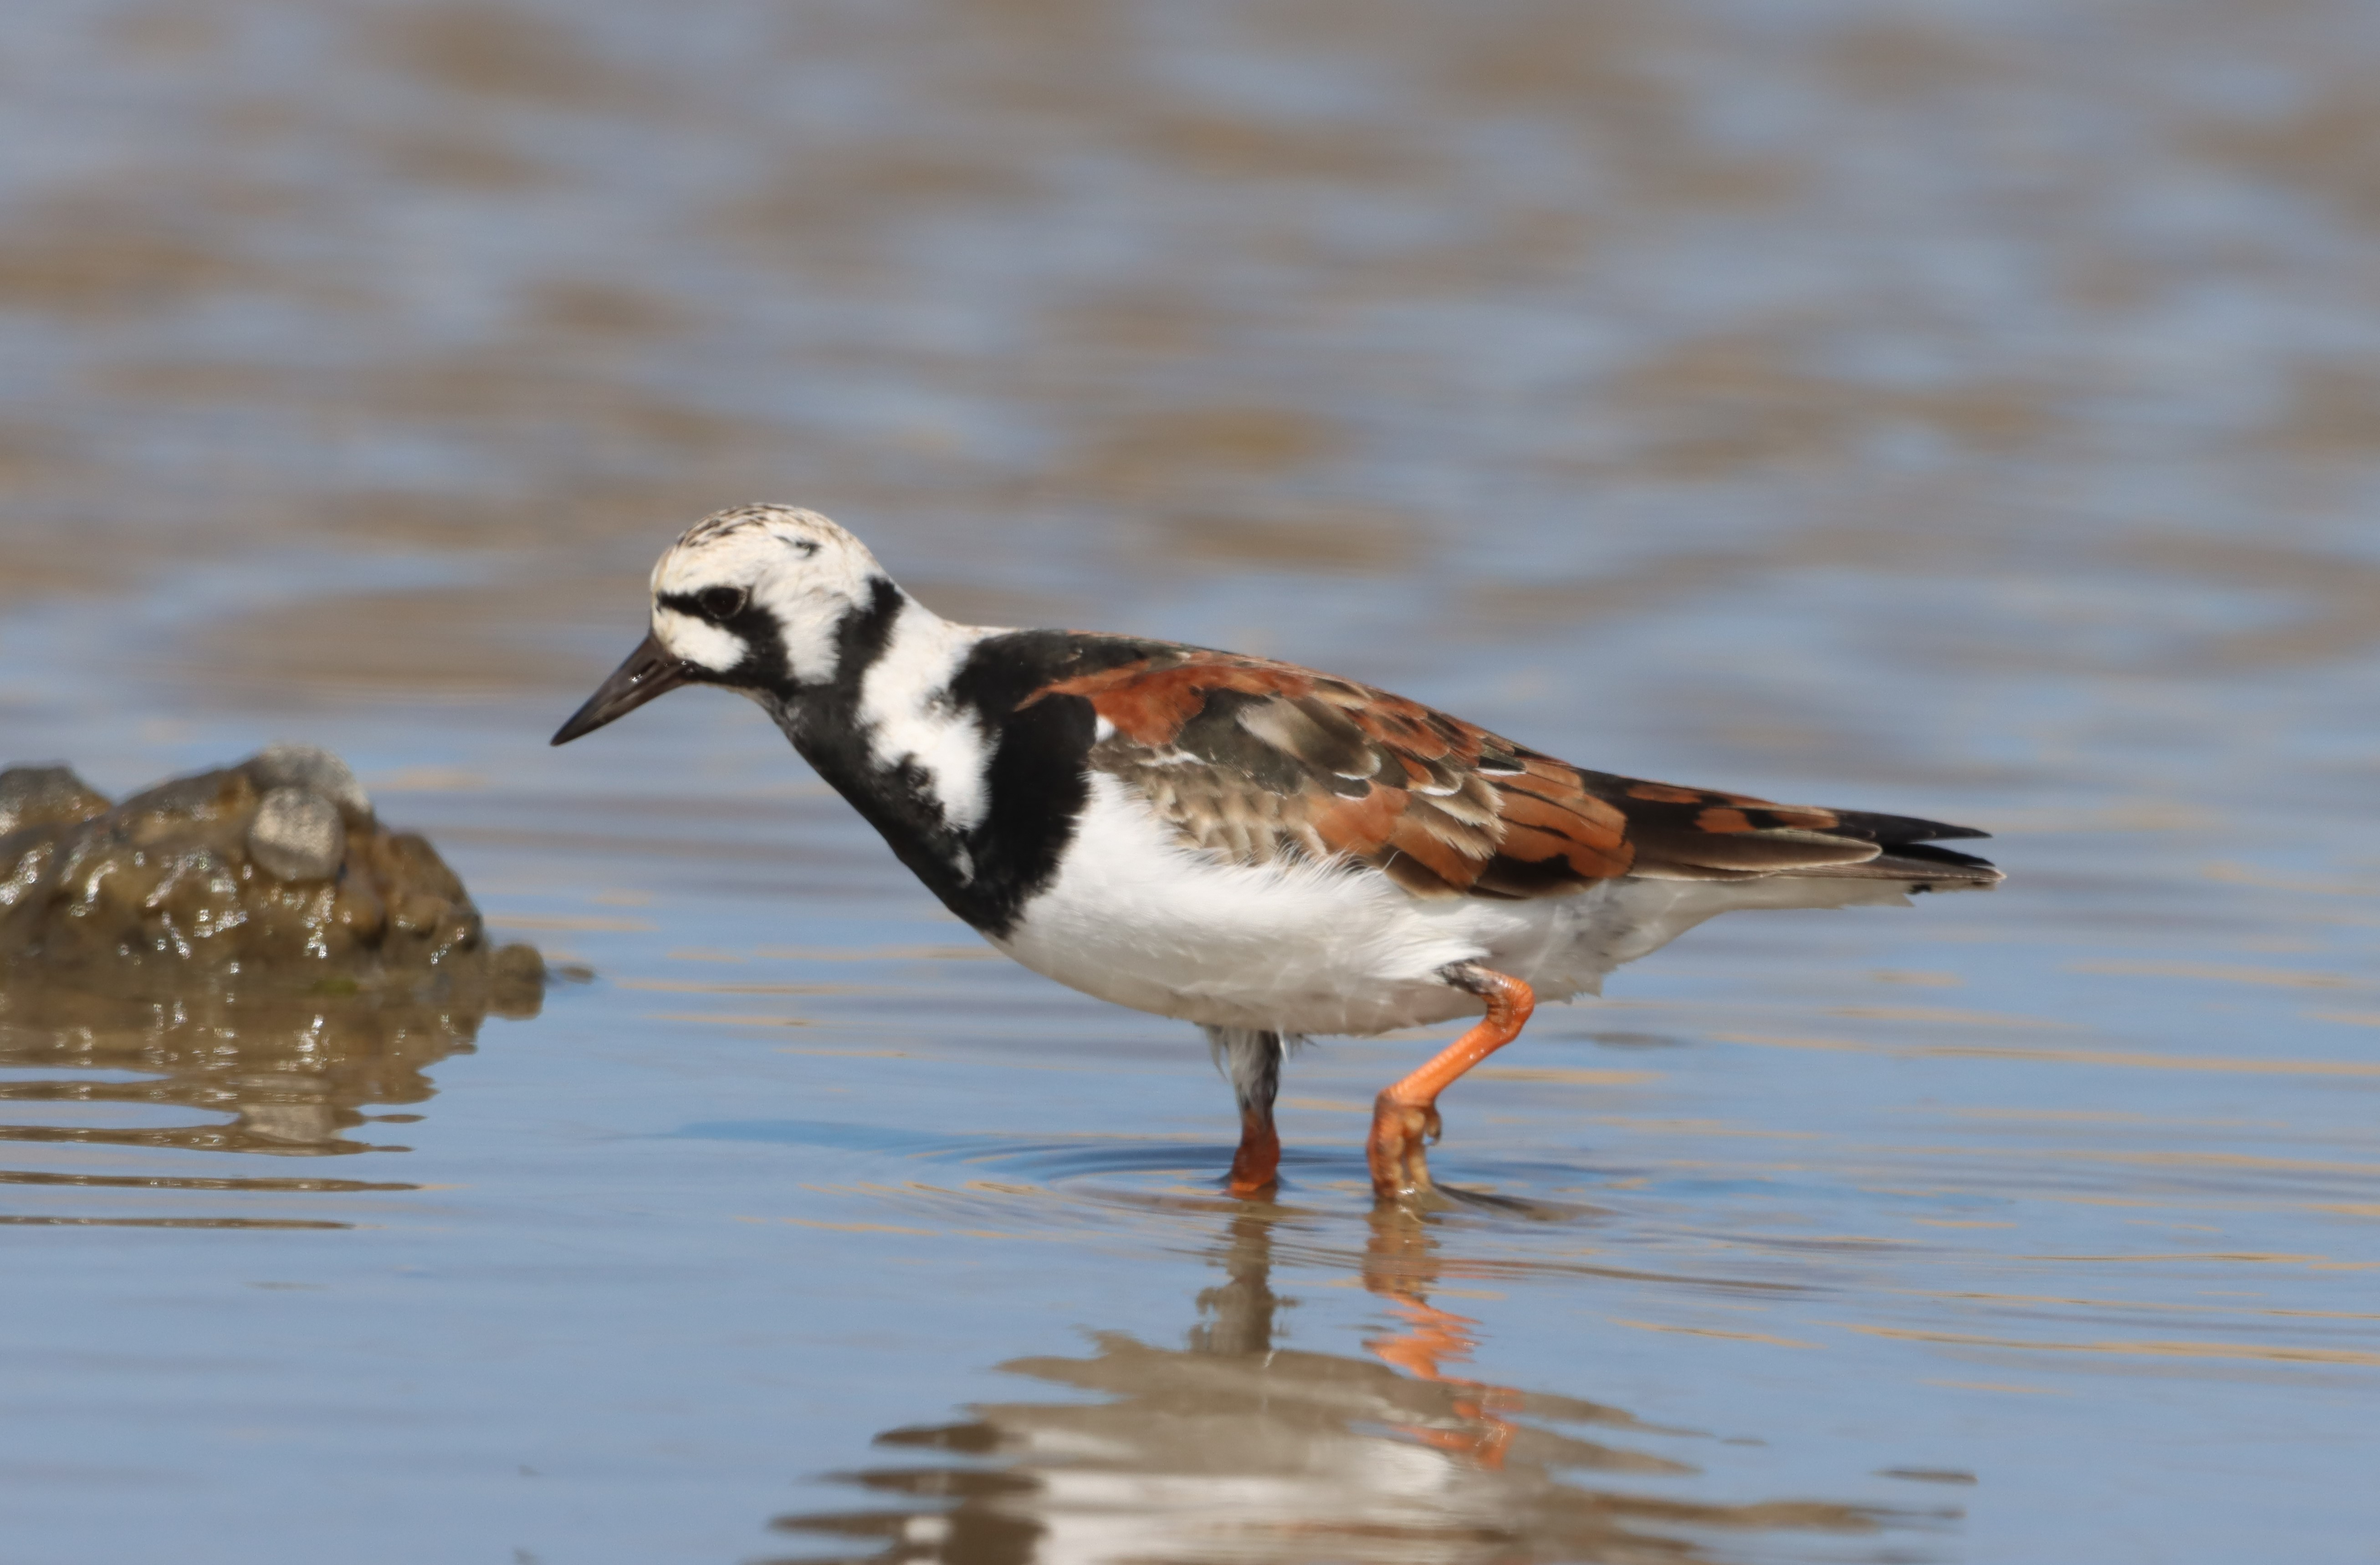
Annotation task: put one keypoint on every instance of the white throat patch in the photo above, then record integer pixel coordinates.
(906, 712)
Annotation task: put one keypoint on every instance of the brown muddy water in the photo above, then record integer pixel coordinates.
(1966, 409)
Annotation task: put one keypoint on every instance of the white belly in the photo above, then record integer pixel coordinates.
(1135, 917)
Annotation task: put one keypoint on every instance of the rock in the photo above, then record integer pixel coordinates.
(269, 876)
(45, 795)
(516, 980)
(297, 835)
(312, 768)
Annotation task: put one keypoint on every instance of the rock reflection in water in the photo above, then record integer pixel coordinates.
(291, 1076)
(1233, 1448)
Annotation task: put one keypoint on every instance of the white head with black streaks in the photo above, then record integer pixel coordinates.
(745, 578)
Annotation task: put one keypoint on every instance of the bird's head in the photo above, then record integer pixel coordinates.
(755, 598)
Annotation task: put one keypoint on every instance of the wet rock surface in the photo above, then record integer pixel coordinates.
(272, 876)
(45, 795)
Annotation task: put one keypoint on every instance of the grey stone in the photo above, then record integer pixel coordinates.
(310, 767)
(297, 835)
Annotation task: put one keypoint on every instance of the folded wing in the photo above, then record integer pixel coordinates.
(1258, 761)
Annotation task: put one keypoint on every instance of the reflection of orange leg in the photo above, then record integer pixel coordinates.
(1440, 1334)
(1436, 1334)
(1398, 1265)
(1256, 1166)
(1404, 1118)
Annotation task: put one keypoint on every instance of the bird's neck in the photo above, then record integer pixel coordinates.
(887, 731)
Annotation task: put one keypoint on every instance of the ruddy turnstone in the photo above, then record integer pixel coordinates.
(1267, 851)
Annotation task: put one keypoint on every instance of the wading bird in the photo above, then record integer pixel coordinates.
(1267, 851)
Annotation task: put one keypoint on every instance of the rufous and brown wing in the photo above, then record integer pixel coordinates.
(1259, 760)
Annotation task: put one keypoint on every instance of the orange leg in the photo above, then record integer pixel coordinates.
(1256, 1166)
(1251, 1060)
(1404, 1118)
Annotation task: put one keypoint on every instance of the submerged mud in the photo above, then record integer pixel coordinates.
(271, 877)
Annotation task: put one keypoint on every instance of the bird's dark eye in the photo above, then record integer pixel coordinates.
(721, 602)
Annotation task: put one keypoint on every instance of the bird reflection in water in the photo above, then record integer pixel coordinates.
(282, 1077)
(1234, 1448)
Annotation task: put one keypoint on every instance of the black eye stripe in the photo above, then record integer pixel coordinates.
(721, 603)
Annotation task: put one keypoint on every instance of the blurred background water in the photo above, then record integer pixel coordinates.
(1963, 408)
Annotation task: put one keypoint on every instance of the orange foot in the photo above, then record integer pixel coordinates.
(1404, 1118)
(1401, 1132)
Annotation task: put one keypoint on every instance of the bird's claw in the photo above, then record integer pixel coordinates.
(1401, 1132)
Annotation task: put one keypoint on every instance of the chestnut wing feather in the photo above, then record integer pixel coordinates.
(1257, 760)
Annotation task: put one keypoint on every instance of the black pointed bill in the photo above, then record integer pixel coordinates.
(651, 670)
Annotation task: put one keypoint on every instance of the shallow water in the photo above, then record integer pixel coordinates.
(1964, 410)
